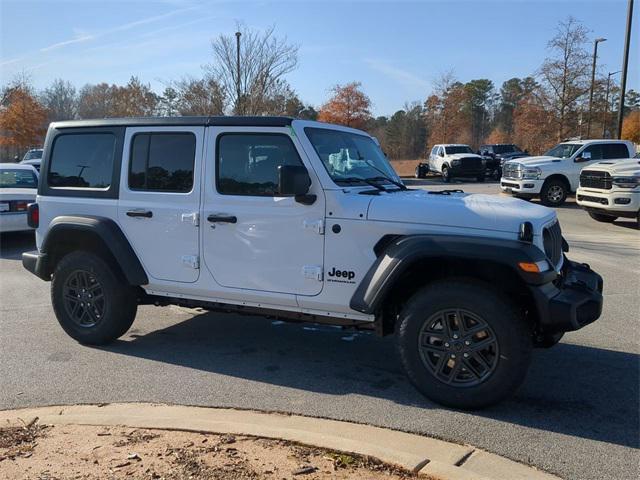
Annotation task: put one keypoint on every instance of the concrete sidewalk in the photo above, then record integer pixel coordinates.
(428, 456)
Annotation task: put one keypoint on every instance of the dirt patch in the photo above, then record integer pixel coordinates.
(31, 451)
(405, 168)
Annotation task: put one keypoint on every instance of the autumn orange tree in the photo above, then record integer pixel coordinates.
(631, 127)
(348, 106)
(533, 128)
(22, 119)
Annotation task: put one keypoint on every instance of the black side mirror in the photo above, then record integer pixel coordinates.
(294, 181)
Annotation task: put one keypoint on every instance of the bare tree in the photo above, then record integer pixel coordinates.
(61, 100)
(564, 76)
(264, 60)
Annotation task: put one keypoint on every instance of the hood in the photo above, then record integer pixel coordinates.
(463, 155)
(624, 167)
(464, 210)
(539, 161)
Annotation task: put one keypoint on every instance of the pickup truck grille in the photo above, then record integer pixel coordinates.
(511, 170)
(470, 163)
(595, 179)
(552, 240)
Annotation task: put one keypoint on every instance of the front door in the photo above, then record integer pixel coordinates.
(160, 199)
(254, 239)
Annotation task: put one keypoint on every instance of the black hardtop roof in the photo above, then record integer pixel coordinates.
(223, 121)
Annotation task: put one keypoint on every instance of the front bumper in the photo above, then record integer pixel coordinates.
(621, 203)
(521, 186)
(571, 302)
(463, 172)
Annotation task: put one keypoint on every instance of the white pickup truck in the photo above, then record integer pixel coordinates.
(556, 174)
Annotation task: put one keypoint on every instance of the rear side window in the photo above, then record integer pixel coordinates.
(162, 162)
(614, 150)
(82, 160)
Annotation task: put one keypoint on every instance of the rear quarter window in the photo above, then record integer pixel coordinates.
(82, 160)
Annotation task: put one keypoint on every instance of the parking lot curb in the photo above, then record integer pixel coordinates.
(430, 457)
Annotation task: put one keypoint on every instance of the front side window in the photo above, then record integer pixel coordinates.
(162, 162)
(82, 160)
(349, 157)
(18, 178)
(248, 164)
(453, 149)
(563, 150)
(594, 151)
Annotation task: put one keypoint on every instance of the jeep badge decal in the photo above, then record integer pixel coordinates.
(341, 276)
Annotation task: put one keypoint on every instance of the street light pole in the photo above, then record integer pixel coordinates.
(625, 64)
(606, 105)
(238, 104)
(593, 79)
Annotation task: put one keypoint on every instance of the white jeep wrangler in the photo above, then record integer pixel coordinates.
(302, 221)
(456, 160)
(609, 190)
(556, 174)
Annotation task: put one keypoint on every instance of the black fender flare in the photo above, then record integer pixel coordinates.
(107, 231)
(401, 253)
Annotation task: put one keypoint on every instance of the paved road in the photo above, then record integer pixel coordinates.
(577, 414)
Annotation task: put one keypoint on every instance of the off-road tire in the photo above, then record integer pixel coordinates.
(418, 173)
(446, 177)
(117, 309)
(553, 193)
(602, 217)
(512, 334)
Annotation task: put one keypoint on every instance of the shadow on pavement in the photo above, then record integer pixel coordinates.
(12, 244)
(574, 390)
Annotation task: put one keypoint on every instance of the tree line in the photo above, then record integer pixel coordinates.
(534, 111)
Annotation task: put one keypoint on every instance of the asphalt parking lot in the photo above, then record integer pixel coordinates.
(577, 415)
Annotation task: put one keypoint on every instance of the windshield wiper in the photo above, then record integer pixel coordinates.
(384, 176)
(362, 180)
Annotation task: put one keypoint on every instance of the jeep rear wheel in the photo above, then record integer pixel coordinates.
(554, 193)
(92, 304)
(446, 176)
(462, 345)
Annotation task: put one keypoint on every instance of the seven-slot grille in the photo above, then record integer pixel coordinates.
(595, 179)
(552, 240)
(511, 170)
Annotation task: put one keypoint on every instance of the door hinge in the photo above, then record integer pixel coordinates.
(312, 272)
(193, 218)
(315, 225)
(192, 261)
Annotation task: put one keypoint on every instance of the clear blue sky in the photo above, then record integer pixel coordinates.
(396, 49)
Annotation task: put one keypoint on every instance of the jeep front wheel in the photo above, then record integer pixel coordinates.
(554, 193)
(93, 305)
(462, 345)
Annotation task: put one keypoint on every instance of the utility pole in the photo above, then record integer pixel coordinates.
(593, 80)
(238, 101)
(625, 64)
(605, 118)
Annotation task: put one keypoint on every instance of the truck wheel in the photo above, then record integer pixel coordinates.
(553, 193)
(446, 177)
(462, 345)
(93, 305)
(601, 217)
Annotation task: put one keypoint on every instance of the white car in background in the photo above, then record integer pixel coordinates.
(556, 174)
(33, 157)
(18, 188)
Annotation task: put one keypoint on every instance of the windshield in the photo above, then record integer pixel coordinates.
(33, 155)
(349, 156)
(505, 149)
(14, 178)
(453, 149)
(563, 150)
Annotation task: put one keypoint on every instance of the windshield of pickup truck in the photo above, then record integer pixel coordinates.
(453, 149)
(563, 150)
(33, 155)
(349, 156)
(505, 149)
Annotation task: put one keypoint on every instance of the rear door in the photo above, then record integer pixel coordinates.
(160, 199)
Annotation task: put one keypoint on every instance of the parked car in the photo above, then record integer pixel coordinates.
(556, 174)
(456, 160)
(33, 157)
(18, 186)
(496, 154)
(609, 190)
(301, 221)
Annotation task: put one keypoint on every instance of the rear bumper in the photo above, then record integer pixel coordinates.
(573, 301)
(36, 263)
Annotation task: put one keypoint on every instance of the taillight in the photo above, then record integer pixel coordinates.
(21, 206)
(33, 215)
